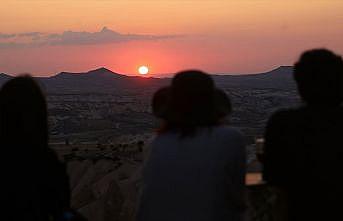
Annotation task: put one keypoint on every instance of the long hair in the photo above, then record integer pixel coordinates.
(191, 103)
(23, 115)
(37, 182)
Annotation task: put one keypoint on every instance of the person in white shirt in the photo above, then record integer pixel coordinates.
(196, 167)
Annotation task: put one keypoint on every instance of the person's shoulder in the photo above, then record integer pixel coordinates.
(224, 132)
(229, 140)
(225, 129)
(163, 139)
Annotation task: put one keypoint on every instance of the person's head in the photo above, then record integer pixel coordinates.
(160, 102)
(23, 113)
(24, 138)
(319, 77)
(192, 102)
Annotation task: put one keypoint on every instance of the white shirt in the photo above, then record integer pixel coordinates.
(194, 178)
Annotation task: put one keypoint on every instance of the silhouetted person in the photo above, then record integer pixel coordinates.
(304, 146)
(35, 182)
(196, 168)
(161, 99)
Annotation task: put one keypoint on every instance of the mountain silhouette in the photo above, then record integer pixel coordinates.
(279, 78)
(100, 80)
(97, 73)
(103, 80)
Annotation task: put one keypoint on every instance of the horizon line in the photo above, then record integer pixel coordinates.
(160, 75)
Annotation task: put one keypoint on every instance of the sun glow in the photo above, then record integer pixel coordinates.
(143, 70)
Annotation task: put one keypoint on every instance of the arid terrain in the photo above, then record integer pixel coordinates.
(101, 122)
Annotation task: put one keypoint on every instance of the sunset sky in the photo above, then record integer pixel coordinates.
(44, 37)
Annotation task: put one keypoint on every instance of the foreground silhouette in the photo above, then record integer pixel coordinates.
(196, 166)
(35, 183)
(221, 102)
(304, 147)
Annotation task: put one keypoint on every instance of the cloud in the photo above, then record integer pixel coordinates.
(5, 36)
(105, 36)
(30, 34)
(35, 36)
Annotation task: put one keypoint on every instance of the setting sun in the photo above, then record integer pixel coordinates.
(143, 70)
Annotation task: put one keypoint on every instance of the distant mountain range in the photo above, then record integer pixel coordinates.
(279, 78)
(103, 80)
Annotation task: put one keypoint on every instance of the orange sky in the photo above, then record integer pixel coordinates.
(219, 36)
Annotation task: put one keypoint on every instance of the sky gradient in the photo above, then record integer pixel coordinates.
(218, 36)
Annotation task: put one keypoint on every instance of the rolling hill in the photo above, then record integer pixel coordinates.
(102, 80)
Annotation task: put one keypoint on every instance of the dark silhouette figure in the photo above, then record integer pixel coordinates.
(304, 147)
(196, 166)
(192, 102)
(35, 182)
(162, 97)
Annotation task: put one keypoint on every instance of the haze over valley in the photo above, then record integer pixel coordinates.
(100, 105)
